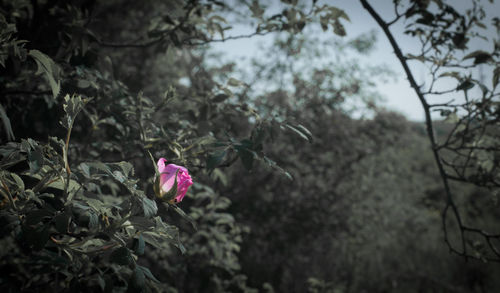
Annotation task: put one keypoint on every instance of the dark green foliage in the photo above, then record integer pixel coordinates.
(75, 224)
(79, 214)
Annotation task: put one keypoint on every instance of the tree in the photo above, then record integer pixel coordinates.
(470, 151)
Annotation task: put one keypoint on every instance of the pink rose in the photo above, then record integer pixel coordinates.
(167, 180)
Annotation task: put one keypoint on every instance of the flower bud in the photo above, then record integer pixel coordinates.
(172, 182)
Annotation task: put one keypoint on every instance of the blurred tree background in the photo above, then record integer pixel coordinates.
(303, 181)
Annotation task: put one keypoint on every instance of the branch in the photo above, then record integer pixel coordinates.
(247, 36)
(128, 45)
(430, 130)
(185, 41)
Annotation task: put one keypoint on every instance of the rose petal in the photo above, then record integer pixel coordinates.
(161, 165)
(173, 168)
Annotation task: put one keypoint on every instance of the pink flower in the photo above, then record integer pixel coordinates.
(167, 180)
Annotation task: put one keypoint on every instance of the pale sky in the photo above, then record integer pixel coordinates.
(397, 94)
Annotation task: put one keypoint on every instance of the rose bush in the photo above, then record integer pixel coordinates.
(173, 181)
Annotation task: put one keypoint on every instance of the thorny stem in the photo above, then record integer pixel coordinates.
(66, 163)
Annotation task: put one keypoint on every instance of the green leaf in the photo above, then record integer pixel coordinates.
(215, 158)
(35, 160)
(163, 234)
(338, 13)
(275, 166)
(121, 256)
(496, 76)
(466, 85)
(82, 83)
(148, 274)
(56, 143)
(93, 220)
(246, 158)
(155, 167)
(48, 67)
(81, 206)
(101, 282)
(324, 20)
(6, 124)
(301, 131)
(234, 82)
(258, 136)
(338, 29)
(452, 118)
(256, 10)
(141, 223)
(301, 25)
(62, 222)
(453, 74)
(139, 245)
(137, 280)
(37, 216)
(154, 239)
(19, 182)
(156, 186)
(419, 57)
(219, 175)
(181, 213)
(246, 153)
(118, 171)
(479, 56)
(11, 154)
(59, 184)
(126, 167)
(149, 207)
(305, 131)
(220, 98)
(72, 106)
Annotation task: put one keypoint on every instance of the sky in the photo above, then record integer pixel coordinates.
(397, 93)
